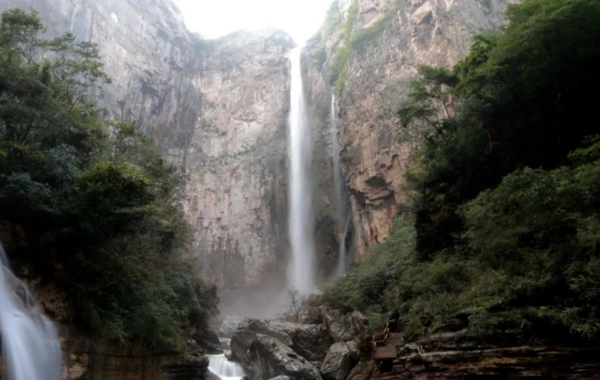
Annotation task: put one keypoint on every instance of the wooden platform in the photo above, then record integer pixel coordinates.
(388, 351)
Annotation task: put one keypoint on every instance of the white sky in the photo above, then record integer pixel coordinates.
(214, 18)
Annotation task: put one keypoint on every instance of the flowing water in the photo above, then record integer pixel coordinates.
(340, 189)
(225, 369)
(30, 347)
(301, 225)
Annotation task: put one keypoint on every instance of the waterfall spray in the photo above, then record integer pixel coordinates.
(30, 347)
(340, 189)
(301, 225)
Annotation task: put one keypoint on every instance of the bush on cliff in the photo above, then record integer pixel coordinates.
(505, 206)
(95, 200)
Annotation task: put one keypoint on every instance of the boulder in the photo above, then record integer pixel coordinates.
(281, 378)
(246, 332)
(362, 371)
(231, 325)
(270, 357)
(208, 340)
(309, 341)
(340, 360)
(342, 327)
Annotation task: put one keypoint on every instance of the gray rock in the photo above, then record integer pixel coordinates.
(340, 360)
(281, 378)
(209, 341)
(247, 331)
(309, 341)
(341, 327)
(362, 371)
(231, 325)
(270, 357)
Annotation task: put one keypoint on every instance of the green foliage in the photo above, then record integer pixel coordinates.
(505, 206)
(341, 57)
(353, 41)
(350, 19)
(95, 198)
(333, 19)
(367, 34)
(320, 57)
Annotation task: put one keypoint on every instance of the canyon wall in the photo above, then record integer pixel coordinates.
(216, 109)
(370, 60)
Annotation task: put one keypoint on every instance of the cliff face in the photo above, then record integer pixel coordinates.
(234, 160)
(217, 109)
(371, 59)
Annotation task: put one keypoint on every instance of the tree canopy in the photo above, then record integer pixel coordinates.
(95, 199)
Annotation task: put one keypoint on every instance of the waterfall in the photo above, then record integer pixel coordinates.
(225, 369)
(340, 190)
(30, 347)
(301, 276)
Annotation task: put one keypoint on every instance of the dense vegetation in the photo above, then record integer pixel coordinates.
(93, 200)
(504, 222)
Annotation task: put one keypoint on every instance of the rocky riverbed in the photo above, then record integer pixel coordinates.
(325, 344)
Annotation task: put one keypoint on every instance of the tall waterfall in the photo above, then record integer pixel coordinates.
(30, 347)
(301, 276)
(340, 190)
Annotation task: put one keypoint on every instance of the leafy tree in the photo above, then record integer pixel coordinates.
(97, 202)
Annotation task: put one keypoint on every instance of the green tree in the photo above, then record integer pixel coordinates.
(97, 201)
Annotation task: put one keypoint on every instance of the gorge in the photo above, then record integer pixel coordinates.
(360, 165)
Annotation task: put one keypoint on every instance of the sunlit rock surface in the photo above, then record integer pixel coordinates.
(416, 32)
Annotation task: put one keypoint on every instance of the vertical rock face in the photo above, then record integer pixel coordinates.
(217, 109)
(234, 160)
(386, 42)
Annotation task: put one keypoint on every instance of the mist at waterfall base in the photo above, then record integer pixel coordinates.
(301, 274)
(30, 346)
(340, 191)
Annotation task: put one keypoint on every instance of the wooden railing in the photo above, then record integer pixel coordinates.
(380, 339)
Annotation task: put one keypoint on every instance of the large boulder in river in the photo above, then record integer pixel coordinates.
(340, 360)
(270, 358)
(208, 340)
(342, 327)
(309, 341)
(246, 332)
(231, 325)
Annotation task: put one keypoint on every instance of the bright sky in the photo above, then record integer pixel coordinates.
(214, 18)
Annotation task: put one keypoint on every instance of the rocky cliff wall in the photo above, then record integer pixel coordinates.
(84, 359)
(370, 60)
(216, 109)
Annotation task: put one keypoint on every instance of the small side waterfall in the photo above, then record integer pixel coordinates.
(340, 190)
(30, 347)
(301, 275)
(225, 369)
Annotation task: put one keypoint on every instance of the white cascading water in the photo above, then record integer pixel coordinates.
(225, 369)
(340, 189)
(30, 346)
(301, 276)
